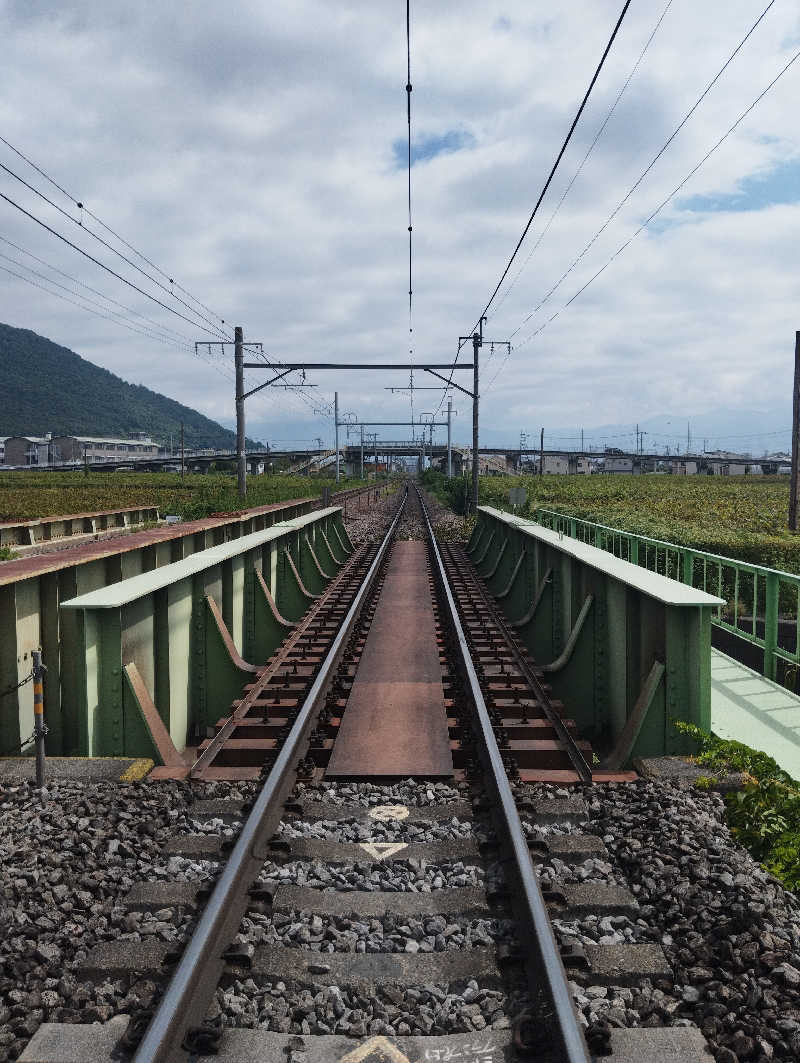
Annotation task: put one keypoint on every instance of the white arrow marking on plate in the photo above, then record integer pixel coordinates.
(380, 850)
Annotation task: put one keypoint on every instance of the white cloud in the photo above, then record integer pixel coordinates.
(248, 151)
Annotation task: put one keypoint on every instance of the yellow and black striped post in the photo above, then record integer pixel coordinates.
(38, 715)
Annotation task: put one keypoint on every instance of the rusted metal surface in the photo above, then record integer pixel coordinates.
(27, 567)
(395, 723)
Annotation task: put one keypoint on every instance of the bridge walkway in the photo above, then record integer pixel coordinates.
(749, 708)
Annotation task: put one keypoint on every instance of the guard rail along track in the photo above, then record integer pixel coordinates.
(552, 1032)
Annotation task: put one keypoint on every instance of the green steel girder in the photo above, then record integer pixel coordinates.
(292, 596)
(599, 631)
(270, 628)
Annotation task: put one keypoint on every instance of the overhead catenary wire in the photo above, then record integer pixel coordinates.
(165, 329)
(653, 214)
(547, 183)
(589, 151)
(647, 169)
(96, 261)
(213, 326)
(81, 306)
(81, 205)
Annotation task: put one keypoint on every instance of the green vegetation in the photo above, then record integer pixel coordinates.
(764, 815)
(6, 553)
(51, 389)
(26, 495)
(739, 516)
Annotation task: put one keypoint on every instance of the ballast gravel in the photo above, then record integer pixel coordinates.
(367, 794)
(355, 831)
(401, 876)
(390, 933)
(68, 856)
(729, 930)
(389, 1010)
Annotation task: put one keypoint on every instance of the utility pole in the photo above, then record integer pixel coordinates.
(541, 453)
(375, 444)
(362, 451)
(795, 481)
(477, 341)
(636, 449)
(182, 463)
(336, 419)
(241, 460)
(449, 445)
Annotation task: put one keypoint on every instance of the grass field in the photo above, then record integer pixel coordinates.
(26, 495)
(737, 516)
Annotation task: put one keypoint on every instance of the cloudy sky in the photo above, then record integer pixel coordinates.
(255, 153)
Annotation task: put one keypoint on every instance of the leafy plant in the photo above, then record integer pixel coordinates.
(764, 816)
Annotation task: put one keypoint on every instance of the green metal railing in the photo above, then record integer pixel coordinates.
(757, 599)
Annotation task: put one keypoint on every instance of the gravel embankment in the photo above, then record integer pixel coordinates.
(729, 929)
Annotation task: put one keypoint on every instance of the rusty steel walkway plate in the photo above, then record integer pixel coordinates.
(395, 722)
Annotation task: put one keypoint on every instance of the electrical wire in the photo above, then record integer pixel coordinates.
(165, 329)
(583, 161)
(546, 184)
(111, 314)
(408, 108)
(107, 228)
(113, 250)
(648, 168)
(81, 306)
(96, 261)
(664, 202)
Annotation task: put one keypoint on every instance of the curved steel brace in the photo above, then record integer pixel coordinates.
(315, 559)
(227, 639)
(507, 589)
(272, 603)
(325, 539)
(561, 660)
(303, 589)
(482, 558)
(548, 576)
(496, 565)
(341, 543)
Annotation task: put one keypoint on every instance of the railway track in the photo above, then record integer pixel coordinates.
(381, 899)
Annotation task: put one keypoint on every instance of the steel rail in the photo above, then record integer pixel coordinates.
(577, 759)
(194, 981)
(546, 974)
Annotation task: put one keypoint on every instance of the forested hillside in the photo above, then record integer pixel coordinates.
(48, 388)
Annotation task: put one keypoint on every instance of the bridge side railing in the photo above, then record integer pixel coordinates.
(626, 650)
(761, 605)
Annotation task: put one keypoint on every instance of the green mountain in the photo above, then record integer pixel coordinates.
(48, 388)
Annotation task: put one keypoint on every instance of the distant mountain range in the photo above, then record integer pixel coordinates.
(47, 388)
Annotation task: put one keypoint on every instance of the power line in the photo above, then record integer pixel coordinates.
(165, 329)
(560, 155)
(547, 182)
(107, 228)
(109, 247)
(142, 330)
(664, 202)
(649, 167)
(583, 161)
(81, 306)
(408, 107)
(96, 261)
